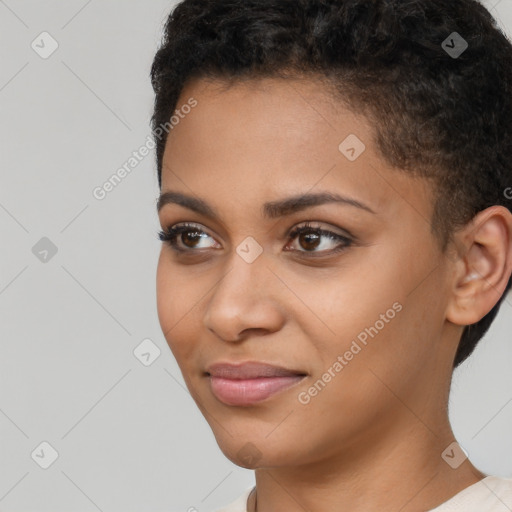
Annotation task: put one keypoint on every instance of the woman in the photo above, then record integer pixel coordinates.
(334, 245)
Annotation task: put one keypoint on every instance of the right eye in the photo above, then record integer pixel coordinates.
(175, 237)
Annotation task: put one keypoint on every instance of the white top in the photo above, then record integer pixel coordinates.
(491, 494)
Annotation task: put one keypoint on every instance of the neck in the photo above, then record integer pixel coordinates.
(400, 470)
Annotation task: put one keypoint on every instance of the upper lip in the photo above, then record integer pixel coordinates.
(249, 370)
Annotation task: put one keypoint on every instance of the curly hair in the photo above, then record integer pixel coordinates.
(444, 117)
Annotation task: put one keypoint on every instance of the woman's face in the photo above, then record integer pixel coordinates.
(362, 315)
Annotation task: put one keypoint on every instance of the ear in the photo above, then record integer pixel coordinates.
(483, 266)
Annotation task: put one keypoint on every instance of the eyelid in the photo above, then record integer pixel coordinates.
(322, 226)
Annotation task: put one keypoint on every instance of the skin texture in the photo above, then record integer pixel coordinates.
(373, 437)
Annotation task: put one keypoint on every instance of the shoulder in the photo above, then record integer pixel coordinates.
(240, 503)
(491, 494)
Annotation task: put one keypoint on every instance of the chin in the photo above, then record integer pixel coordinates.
(257, 451)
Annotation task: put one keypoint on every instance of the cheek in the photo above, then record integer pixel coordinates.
(367, 316)
(176, 301)
(337, 305)
(164, 298)
(385, 339)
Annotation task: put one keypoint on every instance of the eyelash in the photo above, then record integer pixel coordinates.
(171, 234)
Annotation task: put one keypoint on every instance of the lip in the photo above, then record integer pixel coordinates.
(250, 370)
(247, 383)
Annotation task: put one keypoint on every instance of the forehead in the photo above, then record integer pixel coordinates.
(274, 137)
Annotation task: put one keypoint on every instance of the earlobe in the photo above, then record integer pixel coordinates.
(483, 271)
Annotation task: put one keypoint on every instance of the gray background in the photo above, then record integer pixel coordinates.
(128, 436)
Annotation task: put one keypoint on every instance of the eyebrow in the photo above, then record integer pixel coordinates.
(271, 209)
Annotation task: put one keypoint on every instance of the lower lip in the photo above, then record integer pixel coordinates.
(250, 391)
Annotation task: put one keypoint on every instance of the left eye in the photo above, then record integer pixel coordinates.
(309, 237)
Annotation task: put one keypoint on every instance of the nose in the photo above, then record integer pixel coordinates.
(245, 301)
